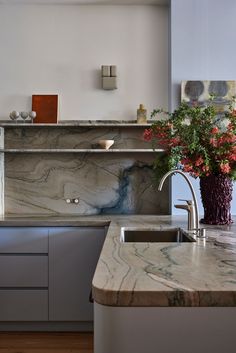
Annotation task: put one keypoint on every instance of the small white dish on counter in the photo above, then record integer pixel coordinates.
(105, 144)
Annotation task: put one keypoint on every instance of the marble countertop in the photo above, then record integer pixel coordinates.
(66, 220)
(167, 274)
(156, 274)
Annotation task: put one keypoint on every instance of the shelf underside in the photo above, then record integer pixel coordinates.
(72, 150)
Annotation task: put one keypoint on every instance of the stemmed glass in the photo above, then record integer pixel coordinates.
(24, 115)
(32, 116)
(14, 115)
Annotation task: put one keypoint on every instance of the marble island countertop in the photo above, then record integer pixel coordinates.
(155, 274)
(167, 274)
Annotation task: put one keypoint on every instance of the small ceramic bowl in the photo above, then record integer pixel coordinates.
(106, 144)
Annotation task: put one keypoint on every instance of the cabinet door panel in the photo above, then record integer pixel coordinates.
(73, 255)
(23, 240)
(23, 305)
(23, 271)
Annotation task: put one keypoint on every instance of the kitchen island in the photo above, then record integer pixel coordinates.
(158, 297)
(166, 297)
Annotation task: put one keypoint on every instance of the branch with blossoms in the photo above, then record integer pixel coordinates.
(195, 139)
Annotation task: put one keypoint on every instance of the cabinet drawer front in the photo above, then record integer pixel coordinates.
(23, 240)
(74, 253)
(23, 271)
(23, 305)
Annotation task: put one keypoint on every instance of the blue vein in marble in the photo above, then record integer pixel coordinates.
(124, 182)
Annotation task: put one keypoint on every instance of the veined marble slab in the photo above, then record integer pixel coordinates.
(74, 137)
(44, 167)
(199, 274)
(104, 183)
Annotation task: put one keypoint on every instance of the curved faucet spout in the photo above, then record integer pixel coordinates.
(176, 171)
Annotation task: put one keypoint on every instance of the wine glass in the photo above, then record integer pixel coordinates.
(14, 115)
(32, 115)
(24, 115)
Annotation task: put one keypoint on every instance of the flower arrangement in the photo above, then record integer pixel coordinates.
(196, 139)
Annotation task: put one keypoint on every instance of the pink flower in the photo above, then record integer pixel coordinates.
(147, 135)
(174, 141)
(215, 130)
(228, 137)
(230, 127)
(185, 161)
(161, 135)
(213, 142)
(232, 157)
(225, 168)
(187, 168)
(205, 168)
(199, 161)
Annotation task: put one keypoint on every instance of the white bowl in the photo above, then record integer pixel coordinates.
(106, 144)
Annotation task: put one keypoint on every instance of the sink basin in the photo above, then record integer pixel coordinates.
(166, 235)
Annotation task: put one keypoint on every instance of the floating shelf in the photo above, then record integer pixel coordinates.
(77, 123)
(72, 150)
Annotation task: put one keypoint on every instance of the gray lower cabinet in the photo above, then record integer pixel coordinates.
(23, 240)
(23, 304)
(23, 271)
(46, 272)
(74, 252)
(23, 274)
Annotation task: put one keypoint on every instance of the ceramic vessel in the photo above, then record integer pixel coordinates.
(105, 144)
(216, 194)
(14, 115)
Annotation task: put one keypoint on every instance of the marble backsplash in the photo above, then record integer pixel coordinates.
(73, 137)
(105, 183)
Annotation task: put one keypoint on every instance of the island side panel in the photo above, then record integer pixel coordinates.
(164, 330)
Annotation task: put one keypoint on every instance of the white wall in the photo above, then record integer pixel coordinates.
(202, 48)
(59, 49)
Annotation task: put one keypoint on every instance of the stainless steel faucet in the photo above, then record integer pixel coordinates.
(192, 205)
(190, 208)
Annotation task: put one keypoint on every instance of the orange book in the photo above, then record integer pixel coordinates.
(46, 108)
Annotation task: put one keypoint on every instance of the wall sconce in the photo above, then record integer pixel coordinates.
(109, 77)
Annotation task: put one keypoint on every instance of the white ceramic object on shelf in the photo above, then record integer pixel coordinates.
(105, 144)
(24, 115)
(32, 115)
(14, 115)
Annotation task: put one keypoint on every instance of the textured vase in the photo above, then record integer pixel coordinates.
(216, 194)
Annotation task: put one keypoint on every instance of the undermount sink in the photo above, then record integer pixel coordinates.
(164, 235)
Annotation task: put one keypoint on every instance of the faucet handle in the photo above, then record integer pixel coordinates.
(189, 202)
(183, 207)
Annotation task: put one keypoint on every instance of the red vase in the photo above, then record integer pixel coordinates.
(216, 194)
